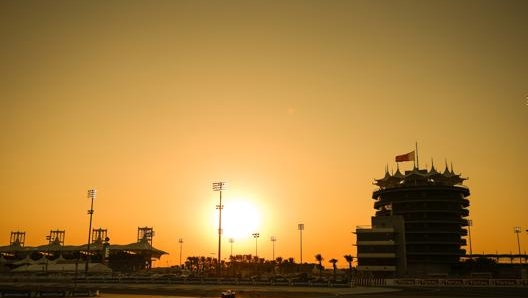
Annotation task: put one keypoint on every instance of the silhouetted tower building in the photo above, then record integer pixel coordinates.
(419, 225)
(17, 239)
(101, 245)
(434, 208)
(55, 243)
(99, 236)
(16, 244)
(145, 236)
(57, 237)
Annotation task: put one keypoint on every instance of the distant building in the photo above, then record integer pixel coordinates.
(54, 256)
(419, 224)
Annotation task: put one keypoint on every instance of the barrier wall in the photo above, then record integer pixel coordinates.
(453, 282)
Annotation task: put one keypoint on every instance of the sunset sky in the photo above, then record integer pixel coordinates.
(297, 105)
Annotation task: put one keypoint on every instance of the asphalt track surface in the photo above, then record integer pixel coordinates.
(460, 292)
(377, 293)
(151, 290)
(366, 292)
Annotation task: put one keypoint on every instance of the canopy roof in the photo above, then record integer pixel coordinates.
(420, 177)
(140, 247)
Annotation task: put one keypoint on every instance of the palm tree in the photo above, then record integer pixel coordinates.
(248, 258)
(319, 258)
(349, 259)
(334, 261)
(279, 263)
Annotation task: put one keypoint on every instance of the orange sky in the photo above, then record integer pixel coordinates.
(298, 105)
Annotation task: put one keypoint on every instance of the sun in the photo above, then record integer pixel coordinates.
(240, 218)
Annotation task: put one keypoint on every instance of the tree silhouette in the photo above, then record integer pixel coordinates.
(349, 259)
(279, 263)
(334, 261)
(319, 259)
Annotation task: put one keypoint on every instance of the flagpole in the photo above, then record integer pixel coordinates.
(417, 164)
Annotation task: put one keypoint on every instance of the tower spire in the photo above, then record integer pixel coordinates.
(417, 164)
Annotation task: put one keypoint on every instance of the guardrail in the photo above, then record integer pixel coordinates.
(458, 282)
(323, 282)
(215, 281)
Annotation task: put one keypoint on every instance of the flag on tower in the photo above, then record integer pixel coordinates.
(405, 157)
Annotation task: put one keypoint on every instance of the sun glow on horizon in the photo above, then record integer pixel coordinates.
(240, 218)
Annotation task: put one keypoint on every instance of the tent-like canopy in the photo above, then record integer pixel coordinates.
(141, 246)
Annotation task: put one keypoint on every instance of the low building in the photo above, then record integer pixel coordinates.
(381, 247)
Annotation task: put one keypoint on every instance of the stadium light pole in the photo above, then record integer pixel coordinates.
(256, 236)
(517, 230)
(49, 245)
(273, 239)
(231, 240)
(91, 195)
(180, 241)
(301, 228)
(219, 186)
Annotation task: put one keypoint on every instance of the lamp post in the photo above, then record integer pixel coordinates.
(470, 223)
(180, 241)
(219, 186)
(517, 230)
(49, 245)
(301, 228)
(91, 195)
(273, 239)
(256, 236)
(231, 240)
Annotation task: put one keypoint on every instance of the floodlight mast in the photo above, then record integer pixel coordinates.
(91, 195)
(273, 239)
(231, 240)
(256, 236)
(219, 186)
(180, 241)
(518, 230)
(300, 227)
